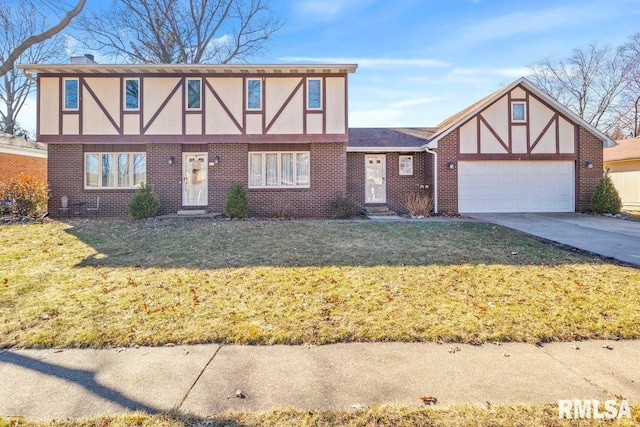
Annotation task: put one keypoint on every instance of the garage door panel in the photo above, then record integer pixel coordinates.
(516, 186)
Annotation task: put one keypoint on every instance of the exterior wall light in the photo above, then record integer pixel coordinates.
(216, 160)
(451, 164)
(588, 164)
(171, 160)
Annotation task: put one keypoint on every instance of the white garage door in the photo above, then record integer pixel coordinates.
(516, 186)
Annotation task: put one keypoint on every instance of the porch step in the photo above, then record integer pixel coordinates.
(381, 212)
(192, 212)
(378, 210)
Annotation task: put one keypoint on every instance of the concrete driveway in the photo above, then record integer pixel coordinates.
(610, 237)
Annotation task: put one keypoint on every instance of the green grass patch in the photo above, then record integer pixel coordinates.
(385, 415)
(123, 283)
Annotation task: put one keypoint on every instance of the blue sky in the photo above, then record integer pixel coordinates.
(421, 61)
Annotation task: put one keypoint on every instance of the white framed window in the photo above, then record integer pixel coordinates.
(314, 94)
(131, 94)
(279, 169)
(518, 111)
(406, 165)
(71, 94)
(114, 170)
(254, 94)
(194, 94)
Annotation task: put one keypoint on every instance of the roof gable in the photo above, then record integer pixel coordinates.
(458, 119)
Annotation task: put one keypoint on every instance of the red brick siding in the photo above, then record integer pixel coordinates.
(328, 178)
(12, 165)
(448, 178)
(590, 148)
(397, 185)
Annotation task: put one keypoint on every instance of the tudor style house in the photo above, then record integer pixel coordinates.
(193, 130)
(282, 131)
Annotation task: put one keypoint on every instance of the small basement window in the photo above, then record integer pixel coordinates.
(518, 112)
(406, 165)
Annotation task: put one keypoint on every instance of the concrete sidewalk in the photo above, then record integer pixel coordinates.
(203, 380)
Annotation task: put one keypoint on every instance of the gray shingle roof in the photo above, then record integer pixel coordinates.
(389, 137)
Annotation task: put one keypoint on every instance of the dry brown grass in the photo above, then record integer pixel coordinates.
(385, 415)
(120, 283)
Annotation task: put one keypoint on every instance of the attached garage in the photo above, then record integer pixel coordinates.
(623, 163)
(516, 186)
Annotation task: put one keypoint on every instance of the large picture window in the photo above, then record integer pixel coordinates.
(279, 170)
(114, 170)
(71, 95)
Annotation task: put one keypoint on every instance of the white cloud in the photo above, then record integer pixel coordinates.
(412, 102)
(383, 117)
(530, 21)
(371, 62)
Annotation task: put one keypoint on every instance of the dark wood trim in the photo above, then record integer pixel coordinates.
(544, 130)
(304, 104)
(164, 104)
(224, 107)
(283, 106)
(38, 103)
(544, 156)
(519, 124)
(121, 103)
(494, 133)
(114, 148)
(141, 106)
(520, 156)
(81, 84)
(557, 135)
(184, 107)
(518, 99)
(244, 105)
(263, 110)
(101, 106)
(196, 139)
(528, 122)
(510, 121)
(479, 135)
(62, 111)
(324, 108)
(554, 109)
(194, 75)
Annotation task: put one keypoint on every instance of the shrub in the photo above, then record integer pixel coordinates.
(144, 203)
(341, 208)
(25, 195)
(605, 198)
(236, 205)
(418, 203)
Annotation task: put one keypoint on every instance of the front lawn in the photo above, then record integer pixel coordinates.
(385, 415)
(124, 283)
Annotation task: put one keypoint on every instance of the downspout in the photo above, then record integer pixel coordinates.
(435, 178)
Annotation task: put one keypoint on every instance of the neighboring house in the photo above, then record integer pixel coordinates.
(623, 162)
(517, 150)
(282, 131)
(20, 155)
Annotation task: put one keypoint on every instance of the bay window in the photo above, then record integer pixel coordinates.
(279, 169)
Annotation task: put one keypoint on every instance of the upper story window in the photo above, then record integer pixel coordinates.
(194, 97)
(132, 94)
(71, 94)
(254, 94)
(406, 165)
(518, 112)
(314, 91)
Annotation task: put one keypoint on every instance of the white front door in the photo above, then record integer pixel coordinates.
(194, 179)
(375, 178)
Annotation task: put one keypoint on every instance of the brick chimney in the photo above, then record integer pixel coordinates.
(84, 59)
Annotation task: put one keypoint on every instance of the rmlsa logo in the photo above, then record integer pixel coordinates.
(592, 409)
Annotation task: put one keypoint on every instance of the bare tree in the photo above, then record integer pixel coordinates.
(17, 24)
(590, 82)
(45, 8)
(180, 31)
(628, 111)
